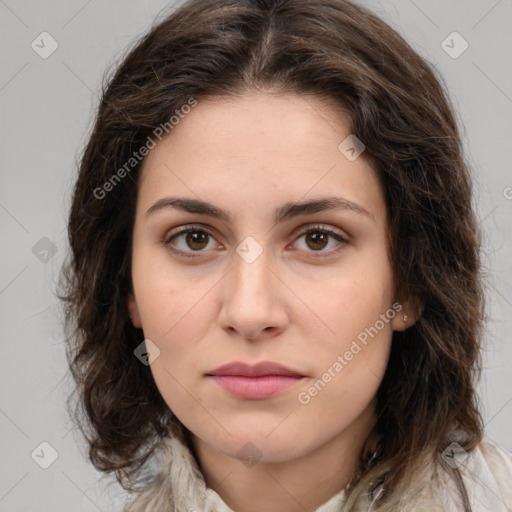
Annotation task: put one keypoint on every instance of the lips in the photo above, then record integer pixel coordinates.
(259, 381)
(257, 370)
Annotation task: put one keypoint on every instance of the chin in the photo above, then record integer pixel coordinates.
(261, 444)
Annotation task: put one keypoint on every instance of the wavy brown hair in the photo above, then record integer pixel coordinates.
(401, 111)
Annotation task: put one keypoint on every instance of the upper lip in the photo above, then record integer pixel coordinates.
(257, 370)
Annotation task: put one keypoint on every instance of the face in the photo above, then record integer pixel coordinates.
(310, 289)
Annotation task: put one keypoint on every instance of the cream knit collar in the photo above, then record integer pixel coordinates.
(179, 486)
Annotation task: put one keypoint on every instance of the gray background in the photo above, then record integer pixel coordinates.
(46, 111)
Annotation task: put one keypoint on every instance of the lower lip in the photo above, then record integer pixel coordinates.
(255, 387)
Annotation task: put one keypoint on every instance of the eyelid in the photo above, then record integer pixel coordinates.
(187, 227)
(322, 227)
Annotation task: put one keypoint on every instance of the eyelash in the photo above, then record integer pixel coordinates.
(311, 229)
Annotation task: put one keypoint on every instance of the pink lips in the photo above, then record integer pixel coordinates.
(262, 380)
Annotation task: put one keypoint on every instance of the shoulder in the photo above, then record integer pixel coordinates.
(486, 472)
(499, 461)
(487, 475)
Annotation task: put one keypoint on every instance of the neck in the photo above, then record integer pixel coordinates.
(302, 483)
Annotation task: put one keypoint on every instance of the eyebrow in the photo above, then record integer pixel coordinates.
(285, 212)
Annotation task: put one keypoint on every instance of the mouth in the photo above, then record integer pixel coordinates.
(256, 382)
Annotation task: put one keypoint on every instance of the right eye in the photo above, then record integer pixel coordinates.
(188, 240)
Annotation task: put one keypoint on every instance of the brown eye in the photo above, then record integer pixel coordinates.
(188, 241)
(196, 240)
(317, 240)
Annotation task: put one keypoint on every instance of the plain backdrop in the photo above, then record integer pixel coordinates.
(47, 107)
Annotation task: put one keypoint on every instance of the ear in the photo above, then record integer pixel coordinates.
(133, 311)
(406, 315)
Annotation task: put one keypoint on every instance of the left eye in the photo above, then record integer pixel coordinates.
(317, 238)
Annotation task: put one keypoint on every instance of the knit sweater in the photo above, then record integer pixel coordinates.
(178, 485)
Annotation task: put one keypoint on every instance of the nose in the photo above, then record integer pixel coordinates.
(253, 304)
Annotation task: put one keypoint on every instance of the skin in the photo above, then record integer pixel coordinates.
(250, 155)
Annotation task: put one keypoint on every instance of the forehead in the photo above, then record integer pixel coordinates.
(260, 148)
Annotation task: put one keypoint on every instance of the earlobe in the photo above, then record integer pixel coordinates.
(133, 311)
(406, 317)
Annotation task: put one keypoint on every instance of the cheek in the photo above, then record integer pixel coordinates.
(357, 308)
(174, 316)
(176, 312)
(169, 299)
(176, 319)
(356, 298)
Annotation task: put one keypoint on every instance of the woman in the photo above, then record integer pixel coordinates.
(274, 297)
